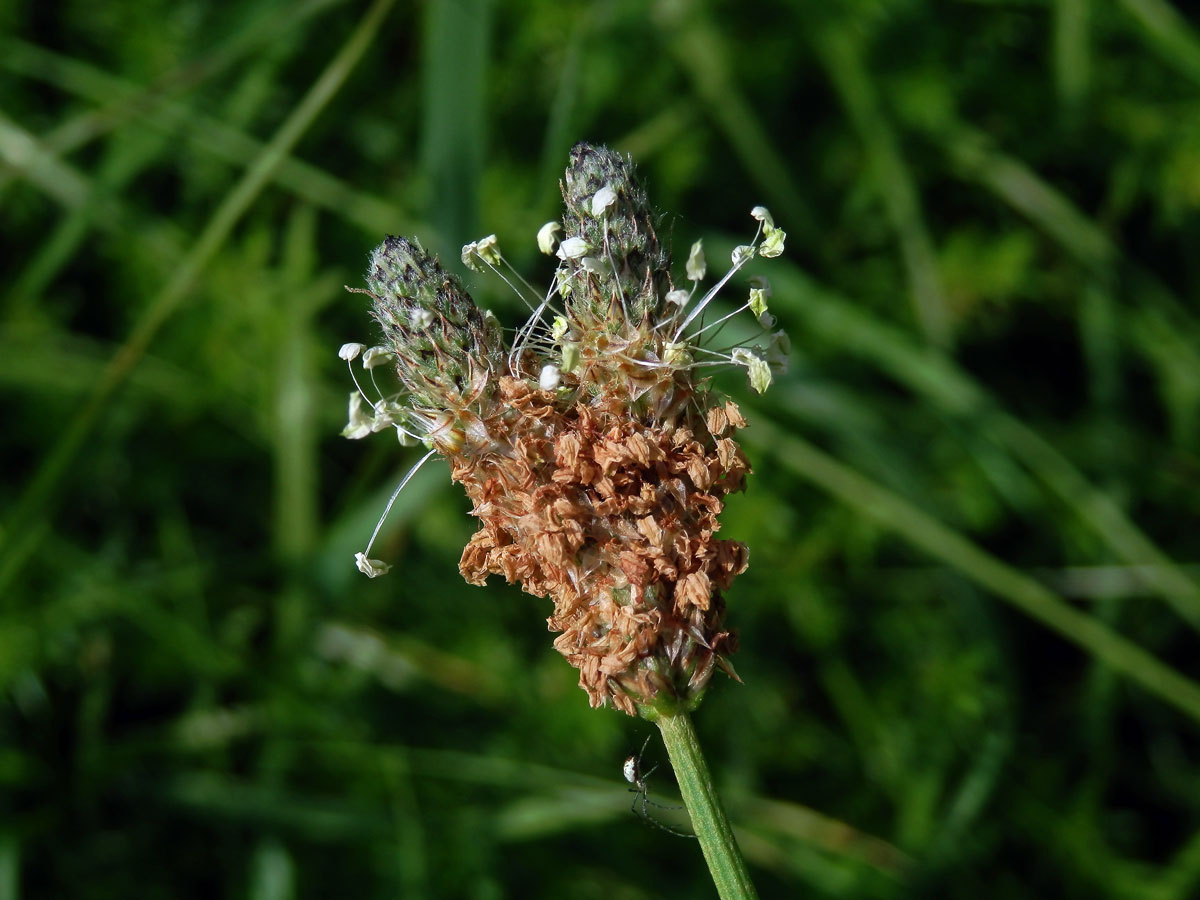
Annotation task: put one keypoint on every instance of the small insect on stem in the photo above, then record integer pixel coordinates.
(636, 777)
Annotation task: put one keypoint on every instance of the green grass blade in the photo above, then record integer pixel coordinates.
(977, 159)
(454, 75)
(10, 867)
(702, 53)
(35, 505)
(1169, 34)
(272, 873)
(1072, 53)
(842, 57)
(923, 531)
(178, 119)
(940, 381)
(974, 155)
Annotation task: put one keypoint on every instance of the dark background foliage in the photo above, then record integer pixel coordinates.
(975, 494)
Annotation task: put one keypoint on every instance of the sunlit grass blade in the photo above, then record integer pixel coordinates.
(294, 433)
(122, 102)
(454, 82)
(36, 505)
(843, 59)
(23, 152)
(1169, 33)
(272, 872)
(702, 53)
(975, 157)
(938, 380)
(1072, 53)
(100, 210)
(10, 866)
(398, 660)
(779, 819)
(974, 154)
(916, 527)
(204, 132)
(85, 203)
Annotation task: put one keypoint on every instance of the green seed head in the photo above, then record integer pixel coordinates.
(611, 253)
(445, 347)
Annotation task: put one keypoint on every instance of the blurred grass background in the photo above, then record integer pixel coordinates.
(969, 627)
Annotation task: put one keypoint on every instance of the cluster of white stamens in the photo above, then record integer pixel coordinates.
(553, 349)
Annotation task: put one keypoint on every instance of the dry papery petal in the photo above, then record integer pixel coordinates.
(602, 515)
(596, 460)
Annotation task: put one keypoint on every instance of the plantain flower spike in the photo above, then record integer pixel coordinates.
(596, 458)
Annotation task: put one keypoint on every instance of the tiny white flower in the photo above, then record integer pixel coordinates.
(573, 248)
(351, 351)
(760, 375)
(470, 256)
(603, 199)
(384, 418)
(421, 319)
(488, 249)
(388, 414)
(359, 424)
(678, 298)
(570, 357)
(562, 281)
(376, 356)
(742, 253)
(758, 301)
(594, 265)
(696, 265)
(559, 328)
(763, 215)
(772, 245)
(372, 568)
(550, 377)
(756, 368)
(758, 306)
(547, 237)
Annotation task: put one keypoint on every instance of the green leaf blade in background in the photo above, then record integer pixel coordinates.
(968, 631)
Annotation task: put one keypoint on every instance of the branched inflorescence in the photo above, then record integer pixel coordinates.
(595, 455)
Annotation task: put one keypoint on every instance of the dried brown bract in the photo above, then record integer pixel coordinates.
(596, 458)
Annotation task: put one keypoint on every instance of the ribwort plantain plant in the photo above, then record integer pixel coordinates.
(594, 450)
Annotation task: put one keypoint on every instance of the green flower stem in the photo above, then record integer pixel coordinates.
(708, 818)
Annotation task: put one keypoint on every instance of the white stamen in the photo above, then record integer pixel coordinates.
(573, 248)
(678, 298)
(376, 356)
(712, 292)
(603, 199)
(763, 215)
(372, 568)
(387, 509)
(547, 237)
(550, 377)
(696, 264)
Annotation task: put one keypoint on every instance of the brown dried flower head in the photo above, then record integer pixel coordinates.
(595, 456)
